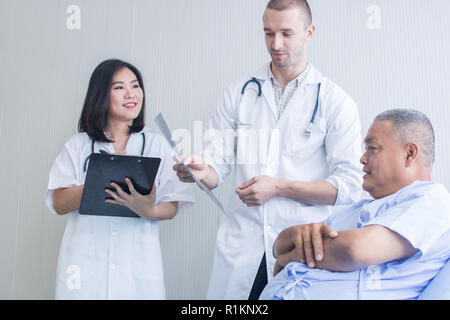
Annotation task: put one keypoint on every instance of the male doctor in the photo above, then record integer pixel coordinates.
(295, 152)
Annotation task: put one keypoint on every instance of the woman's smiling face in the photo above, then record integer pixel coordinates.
(126, 96)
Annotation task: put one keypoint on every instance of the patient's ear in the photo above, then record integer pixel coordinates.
(412, 153)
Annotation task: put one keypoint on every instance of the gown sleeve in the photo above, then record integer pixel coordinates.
(422, 219)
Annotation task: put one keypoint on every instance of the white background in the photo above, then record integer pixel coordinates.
(188, 52)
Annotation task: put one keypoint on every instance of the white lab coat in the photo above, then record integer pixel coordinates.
(331, 153)
(112, 257)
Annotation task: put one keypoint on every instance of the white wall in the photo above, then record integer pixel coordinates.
(188, 51)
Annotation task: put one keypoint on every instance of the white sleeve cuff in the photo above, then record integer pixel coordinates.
(347, 192)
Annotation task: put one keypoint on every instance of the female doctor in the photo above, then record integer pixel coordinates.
(296, 152)
(113, 257)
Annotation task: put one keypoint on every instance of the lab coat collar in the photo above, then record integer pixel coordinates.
(262, 73)
(313, 77)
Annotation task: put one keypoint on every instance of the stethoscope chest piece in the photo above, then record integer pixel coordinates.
(308, 130)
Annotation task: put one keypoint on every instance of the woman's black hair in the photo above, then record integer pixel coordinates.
(95, 109)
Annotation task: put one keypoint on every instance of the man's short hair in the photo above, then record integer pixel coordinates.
(281, 5)
(412, 126)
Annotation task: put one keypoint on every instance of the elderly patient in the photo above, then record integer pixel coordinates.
(386, 248)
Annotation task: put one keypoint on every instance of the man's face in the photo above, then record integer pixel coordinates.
(384, 161)
(286, 36)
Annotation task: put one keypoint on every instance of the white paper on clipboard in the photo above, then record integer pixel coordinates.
(164, 128)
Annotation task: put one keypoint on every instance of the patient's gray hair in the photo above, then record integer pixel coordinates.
(412, 126)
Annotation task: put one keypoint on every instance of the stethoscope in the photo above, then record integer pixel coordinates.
(308, 129)
(104, 152)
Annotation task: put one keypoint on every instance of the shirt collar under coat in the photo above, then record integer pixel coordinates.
(313, 77)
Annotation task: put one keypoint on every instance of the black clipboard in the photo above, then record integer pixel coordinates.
(105, 168)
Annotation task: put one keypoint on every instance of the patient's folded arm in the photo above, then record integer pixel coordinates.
(359, 248)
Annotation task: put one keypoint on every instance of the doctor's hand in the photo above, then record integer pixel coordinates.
(199, 168)
(258, 190)
(302, 243)
(142, 205)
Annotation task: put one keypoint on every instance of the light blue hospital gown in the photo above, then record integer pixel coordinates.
(419, 212)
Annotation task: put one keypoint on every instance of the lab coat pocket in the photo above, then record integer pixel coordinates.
(77, 261)
(147, 260)
(301, 145)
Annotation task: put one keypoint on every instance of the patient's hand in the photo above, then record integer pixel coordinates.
(302, 243)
